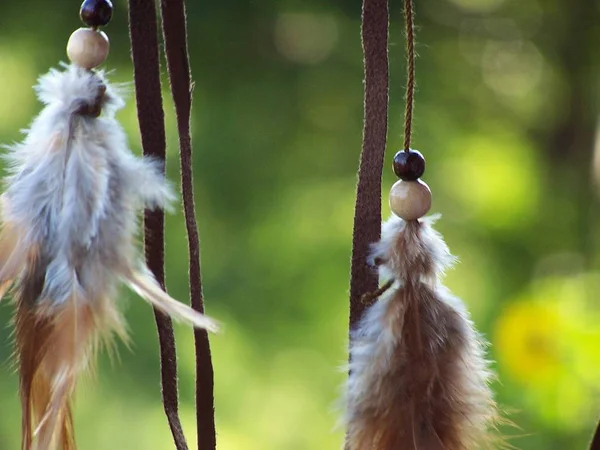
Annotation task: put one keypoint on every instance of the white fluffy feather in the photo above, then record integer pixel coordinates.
(75, 190)
(69, 222)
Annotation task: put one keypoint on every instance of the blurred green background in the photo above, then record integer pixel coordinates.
(506, 115)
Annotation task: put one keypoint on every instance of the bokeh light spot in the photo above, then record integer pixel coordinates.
(498, 180)
(305, 38)
(478, 5)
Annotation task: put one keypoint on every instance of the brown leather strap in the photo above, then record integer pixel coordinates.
(174, 31)
(143, 31)
(367, 215)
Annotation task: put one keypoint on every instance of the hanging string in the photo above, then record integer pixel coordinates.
(410, 72)
(370, 297)
(367, 212)
(176, 49)
(143, 31)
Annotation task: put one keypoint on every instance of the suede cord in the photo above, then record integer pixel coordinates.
(176, 49)
(595, 444)
(367, 212)
(143, 30)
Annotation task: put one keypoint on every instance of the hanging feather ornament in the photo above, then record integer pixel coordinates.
(69, 220)
(418, 378)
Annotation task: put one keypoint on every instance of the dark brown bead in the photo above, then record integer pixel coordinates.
(96, 13)
(409, 165)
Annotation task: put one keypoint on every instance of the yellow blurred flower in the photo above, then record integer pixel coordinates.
(547, 340)
(528, 341)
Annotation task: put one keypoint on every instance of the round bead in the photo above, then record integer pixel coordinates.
(409, 165)
(410, 200)
(96, 13)
(87, 48)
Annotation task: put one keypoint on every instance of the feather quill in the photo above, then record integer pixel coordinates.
(69, 220)
(418, 379)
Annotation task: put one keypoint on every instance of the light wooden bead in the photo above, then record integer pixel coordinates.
(88, 48)
(410, 200)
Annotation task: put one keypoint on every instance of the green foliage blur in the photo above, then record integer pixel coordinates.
(506, 115)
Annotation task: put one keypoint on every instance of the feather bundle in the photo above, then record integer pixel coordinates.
(69, 219)
(418, 375)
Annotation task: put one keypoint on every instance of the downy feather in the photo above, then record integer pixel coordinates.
(418, 379)
(69, 221)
